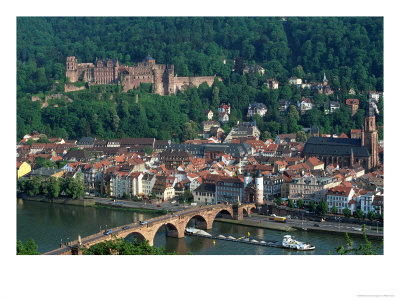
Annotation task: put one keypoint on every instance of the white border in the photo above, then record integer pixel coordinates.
(196, 277)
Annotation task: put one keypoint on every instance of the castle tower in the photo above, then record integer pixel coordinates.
(71, 68)
(371, 136)
(260, 188)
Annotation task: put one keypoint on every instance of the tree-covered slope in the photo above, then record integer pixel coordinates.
(348, 50)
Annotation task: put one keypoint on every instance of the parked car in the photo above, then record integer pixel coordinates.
(143, 222)
(107, 232)
(316, 225)
(125, 227)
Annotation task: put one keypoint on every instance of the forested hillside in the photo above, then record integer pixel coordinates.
(348, 50)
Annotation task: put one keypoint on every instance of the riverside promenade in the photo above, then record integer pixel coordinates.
(262, 221)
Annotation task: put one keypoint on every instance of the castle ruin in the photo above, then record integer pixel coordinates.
(109, 71)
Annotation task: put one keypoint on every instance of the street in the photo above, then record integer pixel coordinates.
(328, 226)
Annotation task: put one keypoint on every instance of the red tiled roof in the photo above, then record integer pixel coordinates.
(350, 102)
(314, 161)
(339, 190)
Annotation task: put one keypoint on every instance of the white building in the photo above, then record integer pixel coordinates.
(148, 181)
(366, 200)
(305, 104)
(341, 197)
(257, 109)
(295, 81)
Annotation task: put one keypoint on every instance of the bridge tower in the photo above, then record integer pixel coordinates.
(259, 188)
(247, 178)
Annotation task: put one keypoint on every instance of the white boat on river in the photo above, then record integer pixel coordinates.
(289, 242)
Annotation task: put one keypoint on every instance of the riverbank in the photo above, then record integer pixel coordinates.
(265, 224)
(59, 200)
(258, 224)
(133, 209)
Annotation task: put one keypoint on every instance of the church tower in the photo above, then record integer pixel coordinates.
(370, 139)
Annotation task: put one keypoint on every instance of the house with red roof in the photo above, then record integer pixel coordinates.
(315, 164)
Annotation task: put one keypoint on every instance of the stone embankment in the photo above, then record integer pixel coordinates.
(60, 200)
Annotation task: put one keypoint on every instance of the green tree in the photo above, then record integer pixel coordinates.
(33, 186)
(300, 203)
(301, 136)
(74, 187)
(188, 196)
(312, 206)
(27, 248)
(278, 201)
(290, 203)
(371, 215)
(347, 212)
(119, 246)
(41, 162)
(359, 214)
(334, 209)
(191, 131)
(51, 187)
(323, 207)
(148, 150)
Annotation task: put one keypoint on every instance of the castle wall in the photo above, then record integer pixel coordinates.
(181, 82)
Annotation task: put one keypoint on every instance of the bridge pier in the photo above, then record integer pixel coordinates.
(237, 212)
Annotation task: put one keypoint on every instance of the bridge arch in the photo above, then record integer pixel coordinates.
(137, 236)
(245, 212)
(223, 213)
(171, 229)
(198, 221)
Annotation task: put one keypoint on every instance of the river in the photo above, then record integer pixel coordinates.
(49, 223)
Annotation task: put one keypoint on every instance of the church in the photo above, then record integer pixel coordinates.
(348, 152)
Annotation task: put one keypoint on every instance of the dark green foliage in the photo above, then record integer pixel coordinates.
(371, 215)
(27, 248)
(334, 209)
(42, 162)
(349, 50)
(119, 246)
(300, 203)
(347, 212)
(312, 206)
(51, 187)
(323, 207)
(33, 186)
(73, 187)
(278, 201)
(187, 196)
(290, 203)
(359, 214)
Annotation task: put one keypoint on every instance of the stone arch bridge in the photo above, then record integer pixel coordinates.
(175, 224)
